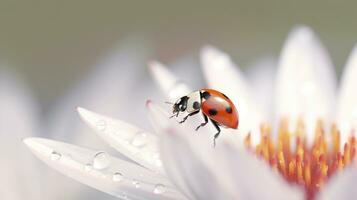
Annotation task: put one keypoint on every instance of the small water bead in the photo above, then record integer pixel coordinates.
(117, 176)
(136, 183)
(124, 196)
(88, 167)
(139, 139)
(101, 160)
(159, 188)
(101, 125)
(55, 156)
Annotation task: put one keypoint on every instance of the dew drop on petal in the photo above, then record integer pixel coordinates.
(101, 160)
(55, 156)
(159, 188)
(117, 176)
(136, 183)
(88, 167)
(139, 139)
(101, 125)
(124, 196)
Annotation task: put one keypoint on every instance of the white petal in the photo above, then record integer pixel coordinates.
(135, 143)
(261, 77)
(222, 74)
(108, 174)
(111, 87)
(306, 80)
(201, 171)
(167, 81)
(253, 179)
(188, 168)
(341, 186)
(347, 102)
(19, 116)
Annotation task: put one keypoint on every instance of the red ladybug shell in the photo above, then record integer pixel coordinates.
(219, 108)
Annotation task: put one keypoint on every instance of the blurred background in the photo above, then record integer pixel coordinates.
(54, 42)
(66, 50)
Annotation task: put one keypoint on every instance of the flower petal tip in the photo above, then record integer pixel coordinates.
(210, 49)
(167, 81)
(81, 110)
(32, 142)
(156, 67)
(85, 114)
(303, 33)
(27, 141)
(37, 145)
(154, 64)
(302, 28)
(214, 57)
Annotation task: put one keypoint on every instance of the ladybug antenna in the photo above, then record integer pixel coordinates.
(174, 115)
(169, 103)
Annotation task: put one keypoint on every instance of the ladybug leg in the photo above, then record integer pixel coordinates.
(203, 124)
(185, 118)
(217, 134)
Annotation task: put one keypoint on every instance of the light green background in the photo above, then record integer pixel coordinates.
(53, 42)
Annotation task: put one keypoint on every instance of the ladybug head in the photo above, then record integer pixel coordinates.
(180, 105)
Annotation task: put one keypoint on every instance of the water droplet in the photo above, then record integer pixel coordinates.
(101, 125)
(124, 196)
(101, 160)
(55, 156)
(159, 188)
(139, 139)
(117, 176)
(136, 183)
(88, 167)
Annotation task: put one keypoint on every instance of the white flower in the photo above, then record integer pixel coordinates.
(176, 162)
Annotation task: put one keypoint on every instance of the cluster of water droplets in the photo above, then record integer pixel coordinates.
(101, 160)
(139, 141)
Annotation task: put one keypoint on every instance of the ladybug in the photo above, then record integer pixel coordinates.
(215, 106)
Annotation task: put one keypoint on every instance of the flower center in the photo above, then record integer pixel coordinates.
(308, 165)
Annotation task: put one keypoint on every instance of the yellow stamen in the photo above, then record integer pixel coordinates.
(308, 166)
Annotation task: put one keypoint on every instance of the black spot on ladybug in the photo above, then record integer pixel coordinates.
(212, 112)
(206, 95)
(229, 109)
(196, 105)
